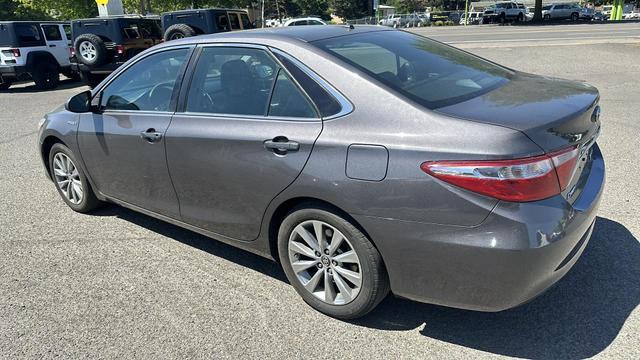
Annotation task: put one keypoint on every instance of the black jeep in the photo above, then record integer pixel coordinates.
(180, 24)
(103, 44)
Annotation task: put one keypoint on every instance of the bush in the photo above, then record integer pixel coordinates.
(438, 23)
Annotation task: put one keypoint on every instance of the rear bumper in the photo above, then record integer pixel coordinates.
(11, 72)
(518, 252)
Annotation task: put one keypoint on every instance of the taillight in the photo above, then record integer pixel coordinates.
(119, 49)
(518, 180)
(15, 52)
(72, 52)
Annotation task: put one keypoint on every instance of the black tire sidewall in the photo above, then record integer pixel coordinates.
(183, 29)
(46, 75)
(370, 264)
(89, 201)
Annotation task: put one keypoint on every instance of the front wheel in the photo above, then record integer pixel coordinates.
(70, 180)
(332, 265)
(574, 17)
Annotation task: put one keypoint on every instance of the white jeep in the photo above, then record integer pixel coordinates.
(34, 50)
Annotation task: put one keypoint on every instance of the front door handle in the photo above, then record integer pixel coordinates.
(151, 135)
(281, 145)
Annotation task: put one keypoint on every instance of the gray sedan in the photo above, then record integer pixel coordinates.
(365, 160)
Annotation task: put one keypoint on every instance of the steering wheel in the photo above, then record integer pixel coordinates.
(158, 94)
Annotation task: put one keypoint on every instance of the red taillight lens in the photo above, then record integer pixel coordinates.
(119, 49)
(517, 180)
(15, 52)
(72, 52)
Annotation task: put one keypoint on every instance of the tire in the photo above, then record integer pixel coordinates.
(87, 201)
(5, 85)
(575, 17)
(547, 17)
(520, 17)
(374, 283)
(178, 31)
(89, 79)
(502, 19)
(46, 75)
(72, 75)
(90, 50)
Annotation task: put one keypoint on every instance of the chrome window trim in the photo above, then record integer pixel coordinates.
(345, 104)
(249, 117)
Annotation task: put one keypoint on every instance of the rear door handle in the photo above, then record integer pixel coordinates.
(281, 145)
(52, 45)
(151, 135)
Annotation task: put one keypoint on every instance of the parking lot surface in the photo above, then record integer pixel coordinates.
(117, 284)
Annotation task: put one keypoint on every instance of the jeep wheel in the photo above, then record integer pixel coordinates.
(5, 85)
(46, 75)
(90, 50)
(178, 31)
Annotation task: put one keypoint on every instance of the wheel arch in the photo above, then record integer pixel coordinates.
(45, 149)
(281, 211)
(34, 56)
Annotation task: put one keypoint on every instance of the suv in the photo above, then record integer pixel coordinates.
(34, 50)
(185, 23)
(503, 11)
(101, 45)
(564, 11)
(390, 20)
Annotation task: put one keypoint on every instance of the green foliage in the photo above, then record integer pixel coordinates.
(63, 9)
(15, 10)
(351, 9)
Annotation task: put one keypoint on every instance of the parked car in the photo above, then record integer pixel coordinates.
(413, 20)
(185, 23)
(480, 193)
(305, 21)
(392, 20)
(505, 11)
(34, 50)
(634, 14)
(474, 18)
(565, 11)
(101, 45)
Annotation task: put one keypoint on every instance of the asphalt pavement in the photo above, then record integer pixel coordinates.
(117, 284)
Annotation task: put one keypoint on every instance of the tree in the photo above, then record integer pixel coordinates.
(351, 9)
(537, 12)
(16, 10)
(64, 9)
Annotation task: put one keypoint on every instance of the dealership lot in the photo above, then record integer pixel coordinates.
(121, 284)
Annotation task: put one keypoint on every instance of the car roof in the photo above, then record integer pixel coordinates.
(308, 33)
(189, 11)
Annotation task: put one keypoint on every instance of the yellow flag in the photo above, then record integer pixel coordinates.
(102, 2)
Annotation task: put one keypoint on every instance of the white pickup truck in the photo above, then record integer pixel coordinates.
(390, 20)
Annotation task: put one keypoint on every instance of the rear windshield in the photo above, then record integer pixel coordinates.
(426, 71)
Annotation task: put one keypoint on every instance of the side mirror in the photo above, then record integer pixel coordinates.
(80, 103)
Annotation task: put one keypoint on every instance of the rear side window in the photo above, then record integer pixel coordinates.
(246, 23)
(222, 21)
(327, 104)
(287, 100)
(426, 71)
(28, 35)
(52, 32)
(67, 31)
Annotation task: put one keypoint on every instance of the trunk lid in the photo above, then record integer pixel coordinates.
(553, 113)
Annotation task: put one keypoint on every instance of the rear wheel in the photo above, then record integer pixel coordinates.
(46, 75)
(178, 31)
(90, 50)
(332, 265)
(574, 17)
(70, 180)
(5, 85)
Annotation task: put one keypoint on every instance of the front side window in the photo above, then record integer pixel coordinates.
(426, 71)
(52, 32)
(147, 85)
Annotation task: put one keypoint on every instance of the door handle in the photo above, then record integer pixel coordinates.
(281, 145)
(151, 135)
(52, 45)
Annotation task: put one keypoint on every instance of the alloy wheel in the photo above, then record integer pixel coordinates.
(88, 51)
(325, 262)
(67, 178)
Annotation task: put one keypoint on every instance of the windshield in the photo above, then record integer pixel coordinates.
(424, 70)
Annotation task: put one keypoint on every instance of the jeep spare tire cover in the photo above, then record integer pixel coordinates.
(178, 31)
(90, 50)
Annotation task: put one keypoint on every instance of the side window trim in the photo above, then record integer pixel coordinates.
(190, 71)
(345, 105)
(97, 93)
